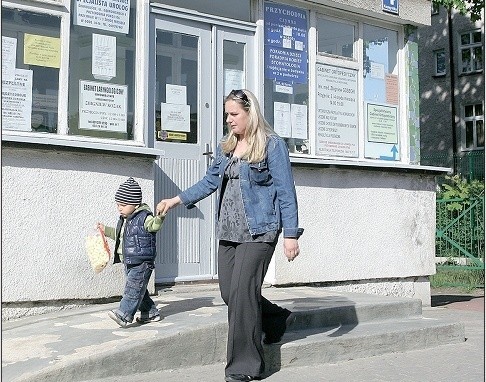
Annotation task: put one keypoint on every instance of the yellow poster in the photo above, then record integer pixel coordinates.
(42, 50)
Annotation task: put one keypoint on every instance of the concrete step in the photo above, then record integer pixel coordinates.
(347, 342)
(325, 330)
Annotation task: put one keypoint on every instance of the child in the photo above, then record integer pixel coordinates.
(134, 246)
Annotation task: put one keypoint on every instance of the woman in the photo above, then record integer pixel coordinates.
(257, 201)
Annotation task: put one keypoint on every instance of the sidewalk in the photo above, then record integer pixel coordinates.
(69, 339)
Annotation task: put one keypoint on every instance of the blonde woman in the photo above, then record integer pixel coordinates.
(257, 202)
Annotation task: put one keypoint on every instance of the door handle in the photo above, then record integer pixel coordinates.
(208, 154)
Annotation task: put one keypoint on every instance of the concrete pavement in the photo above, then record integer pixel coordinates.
(84, 344)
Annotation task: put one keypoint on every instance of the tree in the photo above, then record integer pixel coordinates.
(472, 7)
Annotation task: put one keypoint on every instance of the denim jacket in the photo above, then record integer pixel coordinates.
(267, 189)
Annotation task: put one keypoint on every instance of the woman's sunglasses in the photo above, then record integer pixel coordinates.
(240, 94)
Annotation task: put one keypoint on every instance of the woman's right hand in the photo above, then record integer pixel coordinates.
(166, 204)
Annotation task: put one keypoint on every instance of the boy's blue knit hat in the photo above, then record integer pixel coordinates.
(129, 192)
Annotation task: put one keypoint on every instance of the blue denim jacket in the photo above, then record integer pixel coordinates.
(267, 189)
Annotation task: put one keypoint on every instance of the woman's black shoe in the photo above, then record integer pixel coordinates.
(280, 326)
(239, 377)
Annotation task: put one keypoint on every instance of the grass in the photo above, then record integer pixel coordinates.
(465, 279)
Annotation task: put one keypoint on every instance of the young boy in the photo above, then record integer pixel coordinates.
(134, 246)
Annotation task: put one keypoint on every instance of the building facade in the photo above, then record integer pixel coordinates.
(96, 91)
(451, 67)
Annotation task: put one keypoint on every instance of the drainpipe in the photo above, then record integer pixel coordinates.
(453, 82)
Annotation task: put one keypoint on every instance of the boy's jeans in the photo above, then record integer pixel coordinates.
(136, 295)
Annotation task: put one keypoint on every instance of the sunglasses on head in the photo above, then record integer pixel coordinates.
(240, 94)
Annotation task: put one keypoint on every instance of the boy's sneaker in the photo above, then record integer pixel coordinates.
(116, 317)
(146, 319)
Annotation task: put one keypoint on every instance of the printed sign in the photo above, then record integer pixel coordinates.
(102, 106)
(17, 101)
(285, 43)
(108, 15)
(337, 111)
(390, 6)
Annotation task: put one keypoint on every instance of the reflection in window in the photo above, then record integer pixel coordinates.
(176, 87)
(440, 62)
(471, 51)
(335, 38)
(30, 83)
(102, 78)
(473, 134)
(234, 70)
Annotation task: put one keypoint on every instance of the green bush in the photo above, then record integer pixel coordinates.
(466, 279)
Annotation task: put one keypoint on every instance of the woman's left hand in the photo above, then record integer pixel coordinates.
(291, 248)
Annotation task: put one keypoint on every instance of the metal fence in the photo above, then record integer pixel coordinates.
(459, 244)
(469, 165)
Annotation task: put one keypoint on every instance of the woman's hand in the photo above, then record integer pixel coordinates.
(166, 204)
(291, 248)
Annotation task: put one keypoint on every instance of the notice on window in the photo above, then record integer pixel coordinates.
(337, 111)
(233, 80)
(299, 121)
(42, 50)
(102, 106)
(285, 43)
(108, 15)
(17, 101)
(9, 57)
(175, 117)
(103, 64)
(391, 89)
(281, 119)
(176, 94)
(382, 125)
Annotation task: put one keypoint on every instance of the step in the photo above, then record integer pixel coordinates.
(347, 342)
(350, 336)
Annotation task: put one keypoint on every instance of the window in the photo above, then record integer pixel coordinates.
(434, 8)
(473, 129)
(102, 71)
(471, 52)
(335, 38)
(30, 71)
(440, 62)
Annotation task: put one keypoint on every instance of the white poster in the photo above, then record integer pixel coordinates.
(281, 119)
(9, 57)
(103, 64)
(175, 117)
(299, 121)
(233, 80)
(337, 111)
(17, 101)
(176, 94)
(102, 106)
(108, 15)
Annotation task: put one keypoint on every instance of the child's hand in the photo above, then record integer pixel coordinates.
(101, 227)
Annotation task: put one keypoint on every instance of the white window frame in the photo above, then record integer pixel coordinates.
(138, 145)
(474, 120)
(471, 46)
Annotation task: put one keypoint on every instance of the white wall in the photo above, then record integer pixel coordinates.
(51, 200)
(373, 226)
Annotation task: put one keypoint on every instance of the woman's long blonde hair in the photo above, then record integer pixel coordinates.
(257, 131)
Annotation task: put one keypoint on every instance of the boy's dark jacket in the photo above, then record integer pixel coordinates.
(138, 243)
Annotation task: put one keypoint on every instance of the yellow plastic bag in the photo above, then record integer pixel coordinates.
(98, 250)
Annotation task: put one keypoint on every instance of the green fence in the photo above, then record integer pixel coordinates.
(460, 235)
(469, 165)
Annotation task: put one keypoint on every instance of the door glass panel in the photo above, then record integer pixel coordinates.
(234, 70)
(176, 92)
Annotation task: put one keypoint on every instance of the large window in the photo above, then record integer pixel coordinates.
(102, 70)
(30, 71)
(473, 131)
(471, 52)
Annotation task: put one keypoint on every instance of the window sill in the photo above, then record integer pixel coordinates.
(368, 165)
(78, 143)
